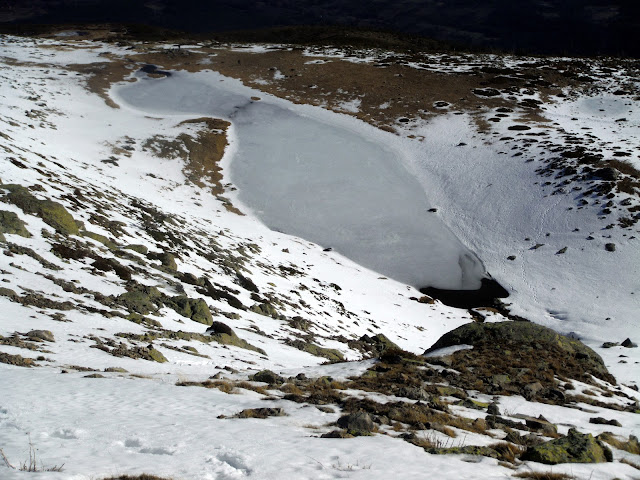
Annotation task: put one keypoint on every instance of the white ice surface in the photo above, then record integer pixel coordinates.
(335, 182)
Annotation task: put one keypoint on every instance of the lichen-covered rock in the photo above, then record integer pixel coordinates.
(574, 448)
(168, 260)
(100, 238)
(10, 223)
(195, 309)
(52, 213)
(330, 354)
(265, 309)
(141, 249)
(141, 299)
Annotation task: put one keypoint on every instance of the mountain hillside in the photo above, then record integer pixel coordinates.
(152, 322)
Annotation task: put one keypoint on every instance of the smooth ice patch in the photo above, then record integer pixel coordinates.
(325, 182)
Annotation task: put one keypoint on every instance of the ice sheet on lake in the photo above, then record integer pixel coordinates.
(331, 185)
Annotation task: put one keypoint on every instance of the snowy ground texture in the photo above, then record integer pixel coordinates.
(121, 288)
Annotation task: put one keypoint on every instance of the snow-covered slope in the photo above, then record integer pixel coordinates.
(117, 257)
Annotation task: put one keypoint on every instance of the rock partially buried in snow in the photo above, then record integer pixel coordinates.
(45, 335)
(359, 423)
(574, 448)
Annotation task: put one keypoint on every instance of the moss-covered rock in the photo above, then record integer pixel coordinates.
(534, 345)
(141, 249)
(10, 223)
(100, 238)
(52, 213)
(330, 354)
(226, 336)
(168, 260)
(267, 376)
(141, 299)
(195, 309)
(574, 448)
(265, 309)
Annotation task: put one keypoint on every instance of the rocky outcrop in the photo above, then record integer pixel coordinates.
(574, 448)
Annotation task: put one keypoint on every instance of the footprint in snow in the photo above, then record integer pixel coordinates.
(228, 465)
(67, 433)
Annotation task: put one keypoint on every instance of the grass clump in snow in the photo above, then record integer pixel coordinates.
(543, 475)
(631, 445)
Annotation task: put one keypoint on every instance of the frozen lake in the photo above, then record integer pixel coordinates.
(332, 183)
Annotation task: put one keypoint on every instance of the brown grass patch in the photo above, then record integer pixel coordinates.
(100, 77)
(630, 445)
(543, 476)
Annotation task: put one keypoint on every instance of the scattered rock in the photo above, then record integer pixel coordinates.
(610, 344)
(486, 92)
(607, 173)
(336, 434)
(52, 213)
(141, 249)
(531, 390)
(220, 328)
(195, 309)
(10, 223)
(219, 332)
(267, 376)
(629, 344)
(356, 424)
(604, 421)
(167, 260)
(541, 425)
(493, 409)
(260, 413)
(265, 309)
(610, 247)
(17, 360)
(574, 448)
(45, 335)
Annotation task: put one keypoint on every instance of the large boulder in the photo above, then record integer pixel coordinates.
(576, 447)
(52, 213)
(527, 346)
(195, 309)
(11, 223)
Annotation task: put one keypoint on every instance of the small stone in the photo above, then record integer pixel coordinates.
(511, 257)
(610, 344)
(610, 247)
(629, 344)
(493, 409)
